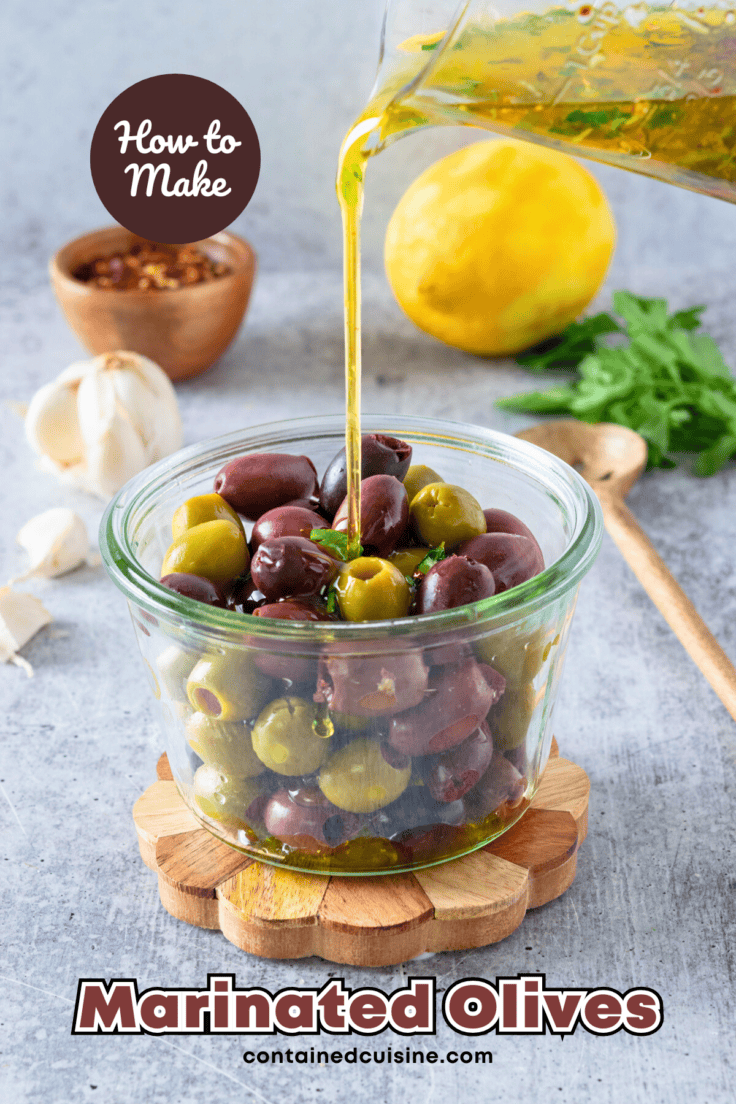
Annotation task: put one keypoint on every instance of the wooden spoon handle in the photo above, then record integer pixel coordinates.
(670, 599)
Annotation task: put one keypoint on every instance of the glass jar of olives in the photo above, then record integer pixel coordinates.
(367, 745)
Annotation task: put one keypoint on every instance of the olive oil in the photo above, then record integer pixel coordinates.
(649, 90)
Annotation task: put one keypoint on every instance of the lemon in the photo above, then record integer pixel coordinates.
(499, 246)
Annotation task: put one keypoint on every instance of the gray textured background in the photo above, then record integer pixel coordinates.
(653, 901)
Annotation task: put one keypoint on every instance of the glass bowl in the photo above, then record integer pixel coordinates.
(359, 748)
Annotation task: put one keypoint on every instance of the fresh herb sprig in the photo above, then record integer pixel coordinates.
(332, 541)
(661, 379)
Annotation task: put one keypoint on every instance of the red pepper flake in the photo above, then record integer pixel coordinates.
(151, 265)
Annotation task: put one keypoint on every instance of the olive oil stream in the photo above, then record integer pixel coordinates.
(653, 92)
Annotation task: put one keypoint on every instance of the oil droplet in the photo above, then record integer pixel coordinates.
(322, 725)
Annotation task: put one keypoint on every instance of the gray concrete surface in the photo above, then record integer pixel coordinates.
(653, 901)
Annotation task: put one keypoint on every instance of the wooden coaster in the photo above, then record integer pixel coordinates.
(370, 921)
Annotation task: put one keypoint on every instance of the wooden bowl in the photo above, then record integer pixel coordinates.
(184, 330)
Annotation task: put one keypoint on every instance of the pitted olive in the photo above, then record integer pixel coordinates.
(229, 799)
(201, 508)
(286, 737)
(228, 687)
(380, 455)
(443, 513)
(217, 550)
(454, 581)
(458, 770)
(292, 567)
(359, 779)
(304, 818)
(518, 655)
(371, 685)
(371, 589)
(197, 588)
(285, 521)
(500, 790)
(417, 477)
(264, 480)
(458, 700)
(384, 514)
(224, 745)
(511, 558)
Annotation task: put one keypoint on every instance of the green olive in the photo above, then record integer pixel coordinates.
(286, 737)
(228, 687)
(348, 722)
(225, 797)
(443, 513)
(223, 744)
(518, 656)
(371, 589)
(511, 717)
(408, 559)
(174, 666)
(418, 476)
(202, 508)
(216, 550)
(358, 779)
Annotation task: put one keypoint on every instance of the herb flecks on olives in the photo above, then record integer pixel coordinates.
(442, 513)
(372, 589)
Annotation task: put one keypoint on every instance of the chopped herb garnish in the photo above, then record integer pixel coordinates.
(333, 541)
(430, 45)
(433, 556)
(661, 379)
(332, 606)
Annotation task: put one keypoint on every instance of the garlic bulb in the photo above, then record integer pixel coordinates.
(21, 616)
(56, 542)
(102, 421)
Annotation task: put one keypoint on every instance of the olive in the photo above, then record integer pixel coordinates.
(371, 589)
(501, 521)
(290, 659)
(201, 508)
(286, 739)
(216, 550)
(519, 656)
(228, 687)
(408, 559)
(174, 666)
(263, 480)
(380, 455)
(455, 581)
(285, 521)
(291, 567)
(511, 558)
(458, 770)
(371, 685)
(501, 785)
(295, 609)
(417, 477)
(510, 718)
(358, 778)
(227, 798)
(244, 596)
(197, 588)
(224, 745)
(443, 513)
(304, 818)
(384, 514)
(416, 809)
(458, 700)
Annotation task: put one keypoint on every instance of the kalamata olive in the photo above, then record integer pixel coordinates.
(459, 769)
(291, 567)
(501, 521)
(264, 480)
(304, 818)
(380, 455)
(285, 521)
(292, 660)
(457, 701)
(384, 514)
(415, 810)
(371, 685)
(501, 785)
(244, 596)
(455, 581)
(512, 559)
(196, 587)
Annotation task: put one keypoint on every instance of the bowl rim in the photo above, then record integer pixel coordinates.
(244, 263)
(530, 597)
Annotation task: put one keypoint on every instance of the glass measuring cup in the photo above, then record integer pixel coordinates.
(644, 87)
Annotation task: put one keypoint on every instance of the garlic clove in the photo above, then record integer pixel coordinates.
(21, 616)
(52, 426)
(56, 542)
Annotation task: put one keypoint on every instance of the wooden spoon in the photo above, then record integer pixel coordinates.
(611, 458)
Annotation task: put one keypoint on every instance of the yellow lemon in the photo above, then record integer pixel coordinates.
(499, 246)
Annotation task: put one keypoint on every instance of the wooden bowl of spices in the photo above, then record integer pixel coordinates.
(180, 305)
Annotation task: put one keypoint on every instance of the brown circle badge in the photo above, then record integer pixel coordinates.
(175, 158)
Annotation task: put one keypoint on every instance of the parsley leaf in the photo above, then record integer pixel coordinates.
(661, 379)
(333, 541)
(433, 556)
(332, 606)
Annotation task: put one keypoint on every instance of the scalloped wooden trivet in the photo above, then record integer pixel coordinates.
(372, 921)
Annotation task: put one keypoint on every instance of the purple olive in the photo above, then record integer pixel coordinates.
(456, 703)
(459, 769)
(501, 521)
(304, 818)
(196, 587)
(501, 785)
(285, 521)
(384, 514)
(264, 480)
(293, 661)
(511, 559)
(380, 455)
(291, 567)
(415, 811)
(370, 685)
(244, 596)
(455, 581)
